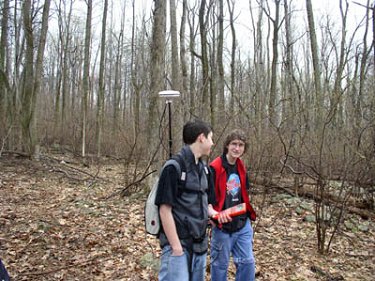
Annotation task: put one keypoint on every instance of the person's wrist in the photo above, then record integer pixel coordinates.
(178, 251)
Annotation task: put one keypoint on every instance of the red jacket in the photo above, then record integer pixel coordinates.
(221, 183)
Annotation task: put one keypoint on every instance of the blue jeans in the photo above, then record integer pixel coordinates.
(240, 244)
(174, 268)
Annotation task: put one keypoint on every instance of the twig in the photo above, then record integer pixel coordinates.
(122, 191)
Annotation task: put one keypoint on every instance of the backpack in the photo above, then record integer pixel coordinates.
(151, 211)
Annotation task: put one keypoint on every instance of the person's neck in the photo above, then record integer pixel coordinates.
(231, 160)
(196, 152)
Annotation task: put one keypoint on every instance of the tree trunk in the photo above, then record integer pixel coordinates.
(204, 60)
(192, 87)
(100, 106)
(316, 65)
(362, 71)
(157, 70)
(86, 73)
(176, 84)
(220, 63)
(27, 87)
(4, 67)
(176, 77)
(275, 56)
(65, 72)
(32, 78)
(184, 67)
(233, 59)
(117, 81)
(336, 101)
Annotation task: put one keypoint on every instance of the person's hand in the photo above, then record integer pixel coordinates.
(179, 251)
(224, 217)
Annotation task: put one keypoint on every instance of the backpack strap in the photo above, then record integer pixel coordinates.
(181, 167)
(178, 162)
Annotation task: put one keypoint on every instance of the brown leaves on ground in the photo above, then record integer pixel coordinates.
(60, 223)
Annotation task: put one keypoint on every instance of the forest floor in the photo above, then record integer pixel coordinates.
(60, 220)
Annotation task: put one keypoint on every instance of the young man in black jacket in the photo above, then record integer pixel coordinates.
(184, 210)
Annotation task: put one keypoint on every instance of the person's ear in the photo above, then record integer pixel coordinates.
(201, 137)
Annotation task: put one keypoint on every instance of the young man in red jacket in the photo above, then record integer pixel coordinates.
(232, 235)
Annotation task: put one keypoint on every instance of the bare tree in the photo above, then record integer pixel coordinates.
(192, 46)
(259, 65)
(31, 84)
(176, 79)
(275, 56)
(4, 64)
(233, 55)
(86, 74)
(183, 59)
(204, 58)
(220, 62)
(100, 105)
(157, 68)
(316, 65)
(63, 81)
(336, 100)
(117, 85)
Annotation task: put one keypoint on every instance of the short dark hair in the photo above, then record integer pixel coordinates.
(236, 134)
(192, 129)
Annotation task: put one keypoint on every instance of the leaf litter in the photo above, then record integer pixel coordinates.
(53, 227)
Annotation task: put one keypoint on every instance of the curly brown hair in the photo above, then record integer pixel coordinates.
(236, 134)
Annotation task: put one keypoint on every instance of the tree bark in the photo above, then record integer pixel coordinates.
(316, 65)
(100, 106)
(157, 69)
(31, 85)
(220, 63)
(4, 66)
(184, 67)
(275, 56)
(233, 59)
(86, 75)
(204, 60)
(176, 84)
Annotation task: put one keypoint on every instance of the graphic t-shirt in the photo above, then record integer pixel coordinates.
(233, 196)
(233, 188)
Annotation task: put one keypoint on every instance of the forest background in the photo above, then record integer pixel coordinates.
(83, 77)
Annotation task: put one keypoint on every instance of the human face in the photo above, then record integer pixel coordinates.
(236, 149)
(207, 144)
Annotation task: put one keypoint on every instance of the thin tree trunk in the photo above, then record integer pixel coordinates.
(275, 56)
(4, 66)
(316, 65)
(65, 72)
(336, 102)
(176, 84)
(204, 60)
(362, 71)
(184, 68)
(86, 73)
(192, 87)
(100, 111)
(220, 63)
(233, 58)
(213, 69)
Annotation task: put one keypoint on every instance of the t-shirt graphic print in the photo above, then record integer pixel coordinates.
(233, 189)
